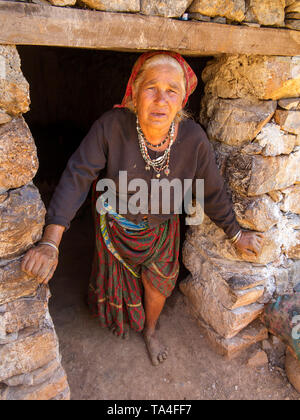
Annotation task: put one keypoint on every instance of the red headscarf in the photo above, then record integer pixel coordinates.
(190, 77)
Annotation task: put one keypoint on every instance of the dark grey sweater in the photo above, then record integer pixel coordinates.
(112, 145)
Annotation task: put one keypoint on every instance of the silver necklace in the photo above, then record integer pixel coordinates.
(161, 163)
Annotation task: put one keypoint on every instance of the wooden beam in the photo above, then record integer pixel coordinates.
(32, 24)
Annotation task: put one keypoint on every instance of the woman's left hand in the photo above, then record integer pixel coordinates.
(250, 243)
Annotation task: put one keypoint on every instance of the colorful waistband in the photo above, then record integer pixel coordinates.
(121, 220)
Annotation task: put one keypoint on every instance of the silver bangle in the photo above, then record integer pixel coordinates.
(236, 237)
(50, 244)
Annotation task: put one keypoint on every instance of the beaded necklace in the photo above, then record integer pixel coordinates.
(157, 146)
(161, 163)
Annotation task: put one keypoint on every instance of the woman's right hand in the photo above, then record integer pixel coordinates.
(40, 261)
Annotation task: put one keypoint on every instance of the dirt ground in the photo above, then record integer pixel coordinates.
(100, 366)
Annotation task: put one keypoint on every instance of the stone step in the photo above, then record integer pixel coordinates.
(205, 304)
(233, 347)
(239, 298)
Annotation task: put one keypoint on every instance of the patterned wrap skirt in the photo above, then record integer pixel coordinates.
(122, 256)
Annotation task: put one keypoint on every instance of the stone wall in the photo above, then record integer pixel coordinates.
(30, 363)
(251, 112)
(273, 13)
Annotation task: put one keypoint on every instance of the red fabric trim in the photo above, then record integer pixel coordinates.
(190, 76)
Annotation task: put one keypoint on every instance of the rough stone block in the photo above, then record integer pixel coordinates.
(237, 121)
(266, 12)
(35, 377)
(63, 2)
(293, 24)
(239, 275)
(294, 16)
(207, 306)
(259, 358)
(244, 282)
(4, 117)
(233, 347)
(25, 312)
(231, 9)
(18, 158)
(262, 77)
(256, 213)
(42, 392)
(14, 283)
(212, 238)
(229, 298)
(287, 277)
(239, 298)
(22, 217)
(294, 7)
(256, 175)
(113, 5)
(292, 220)
(276, 196)
(288, 120)
(235, 283)
(289, 2)
(14, 89)
(274, 141)
(291, 199)
(165, 8)
(294, 250)
(65, 395)
(28, 354)
(291, 104)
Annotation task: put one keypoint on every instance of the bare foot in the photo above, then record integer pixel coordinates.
(158, 352)
(125, 335)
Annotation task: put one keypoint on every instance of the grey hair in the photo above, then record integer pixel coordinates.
(161, 59)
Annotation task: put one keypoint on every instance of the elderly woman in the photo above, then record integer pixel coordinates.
(135, 265)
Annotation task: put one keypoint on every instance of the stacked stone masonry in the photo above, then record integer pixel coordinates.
(251, 114)
(30, 363)
(272, 13)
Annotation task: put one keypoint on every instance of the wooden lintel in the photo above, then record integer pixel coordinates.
(32, 24)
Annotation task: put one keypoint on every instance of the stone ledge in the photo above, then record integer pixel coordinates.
(233, 347)
(70, 27)
(205, 304)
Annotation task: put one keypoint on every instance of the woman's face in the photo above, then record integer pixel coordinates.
(159, 97)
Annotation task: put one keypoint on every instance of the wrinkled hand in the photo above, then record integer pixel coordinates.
(40, 262)
(250, 243)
